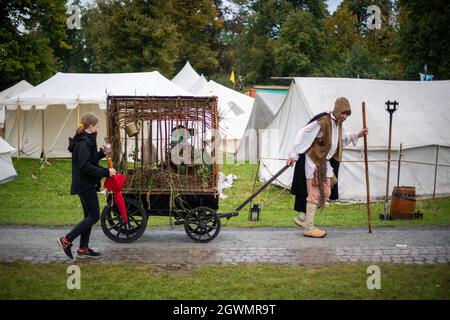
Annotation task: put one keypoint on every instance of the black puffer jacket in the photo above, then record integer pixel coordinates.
(86, 172)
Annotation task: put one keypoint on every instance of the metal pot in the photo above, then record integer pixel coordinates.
(131, 129)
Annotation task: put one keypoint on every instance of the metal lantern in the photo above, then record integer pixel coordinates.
(391, 106)
(255, 212)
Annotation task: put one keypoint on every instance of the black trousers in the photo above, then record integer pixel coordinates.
(91, 210)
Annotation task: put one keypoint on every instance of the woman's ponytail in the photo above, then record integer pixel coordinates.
(80, 129)
(86, 121)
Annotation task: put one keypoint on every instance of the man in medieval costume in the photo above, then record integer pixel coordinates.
(317, 152)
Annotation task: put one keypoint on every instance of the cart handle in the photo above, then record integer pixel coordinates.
(261, 188)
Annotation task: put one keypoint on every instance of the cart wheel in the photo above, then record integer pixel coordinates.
(202, 224)
(115, 228)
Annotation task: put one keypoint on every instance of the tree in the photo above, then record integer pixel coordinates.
(300, 48)
(342, 30)
(425, 37)
(360, 63)
(359, 9)
(198, 23)
(130, 36)
(32, 40)
(355, 50)
(262, 32)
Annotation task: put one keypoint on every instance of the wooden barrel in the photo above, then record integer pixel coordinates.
(403, 203)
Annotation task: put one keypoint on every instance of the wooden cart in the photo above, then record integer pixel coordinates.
(165, 147)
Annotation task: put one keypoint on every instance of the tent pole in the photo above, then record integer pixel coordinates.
(435, 170)
(3, 130)
(78, 115)
(18, 131)
(399, 164)
(43, 136)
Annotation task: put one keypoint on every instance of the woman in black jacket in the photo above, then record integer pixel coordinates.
(86, 176)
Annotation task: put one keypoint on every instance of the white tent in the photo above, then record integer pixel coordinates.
(41, 119)
(19, 87)
(420, 124)
(186, 77)
(198, 85)
(265, 107)
(7, 171)
(234, 111)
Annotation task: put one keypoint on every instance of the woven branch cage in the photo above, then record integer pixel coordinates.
(146, 157)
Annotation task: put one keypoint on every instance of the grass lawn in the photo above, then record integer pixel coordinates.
(45, 201)
(30, 281)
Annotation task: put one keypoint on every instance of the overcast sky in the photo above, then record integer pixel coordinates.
(332, 5)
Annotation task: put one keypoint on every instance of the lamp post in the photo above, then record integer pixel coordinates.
(391, 107)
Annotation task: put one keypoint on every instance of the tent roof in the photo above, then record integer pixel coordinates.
(234, 109)
(198, 85)
(71, 89)
(265, 107)
(186, 77)
(19, 87)
(422, 118)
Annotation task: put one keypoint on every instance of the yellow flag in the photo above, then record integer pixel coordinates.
(232, 77)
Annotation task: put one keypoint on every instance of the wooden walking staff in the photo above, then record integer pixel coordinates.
(366, 163)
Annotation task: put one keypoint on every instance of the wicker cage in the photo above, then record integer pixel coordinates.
(164, 144)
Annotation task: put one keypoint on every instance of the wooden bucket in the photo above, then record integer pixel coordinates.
(131, 129)
(403, 203)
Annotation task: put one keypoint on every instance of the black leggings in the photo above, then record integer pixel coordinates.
(91, 211)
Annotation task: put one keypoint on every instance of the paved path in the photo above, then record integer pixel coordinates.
(167, 245)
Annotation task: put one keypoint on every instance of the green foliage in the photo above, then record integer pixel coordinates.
(198, 25)
(258, 39)
(130, 36)
(342, 34)
(32, 40)
(425, 37)
(301, 45)
(259, 52)
(354, 50)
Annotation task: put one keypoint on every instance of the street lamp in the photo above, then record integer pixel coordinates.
(391, 107)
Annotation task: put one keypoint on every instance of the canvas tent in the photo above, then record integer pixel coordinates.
(198, 85)
(19, 87)
(7, 171)
(234, 111)
(234, 107)
(265, 107)
(421, 123)
(41, 119)
(189, 79)
(186, 77)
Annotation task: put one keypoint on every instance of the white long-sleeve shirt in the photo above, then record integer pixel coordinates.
(305, 138)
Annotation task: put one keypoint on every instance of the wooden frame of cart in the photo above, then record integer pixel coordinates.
(165, 147)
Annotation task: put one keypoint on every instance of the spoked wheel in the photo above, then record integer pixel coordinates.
(115, 228)
(202, 224)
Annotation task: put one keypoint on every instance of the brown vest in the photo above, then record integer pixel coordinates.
(321, 146)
